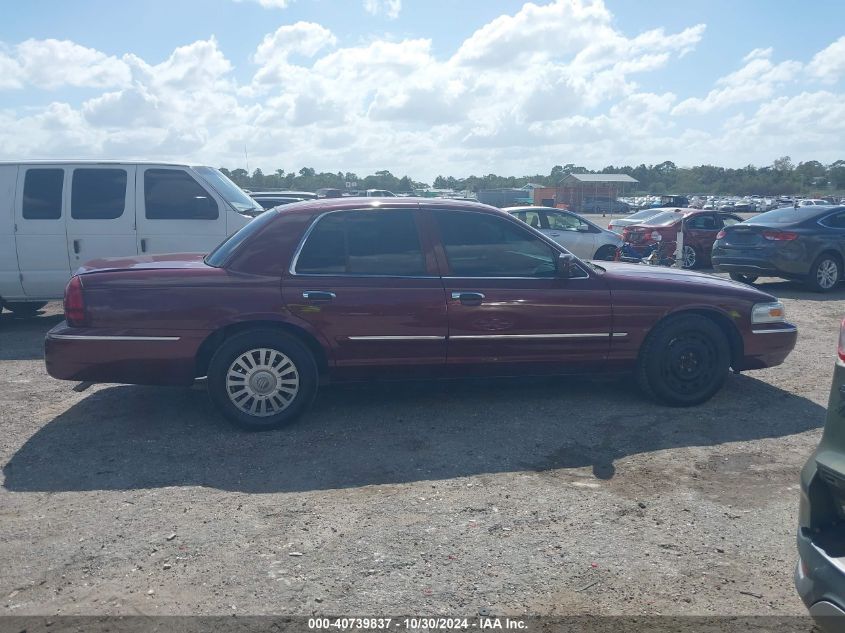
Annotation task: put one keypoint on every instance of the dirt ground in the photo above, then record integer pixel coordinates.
(533, 496)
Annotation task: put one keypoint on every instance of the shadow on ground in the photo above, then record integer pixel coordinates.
(23, 338)
(140, 437)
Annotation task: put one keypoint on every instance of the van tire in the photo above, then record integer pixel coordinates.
(684, 361)
(274, 356)
(24, 309)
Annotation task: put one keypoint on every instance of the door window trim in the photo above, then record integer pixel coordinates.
(295, 259)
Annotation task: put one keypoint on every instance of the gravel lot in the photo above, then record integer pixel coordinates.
(552, 496)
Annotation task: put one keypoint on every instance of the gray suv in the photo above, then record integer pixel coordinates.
(820, 573)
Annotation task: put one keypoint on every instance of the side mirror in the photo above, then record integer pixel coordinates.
(583, 228)
(566, 265)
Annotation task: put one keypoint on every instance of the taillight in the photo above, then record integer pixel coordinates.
(780, 236)
(721, 234)
(74, 302)
(842, 341)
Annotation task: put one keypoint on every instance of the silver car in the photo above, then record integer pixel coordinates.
(579, 236)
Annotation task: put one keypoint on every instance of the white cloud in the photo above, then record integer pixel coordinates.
(755, 81)
(270, 4)
(546, 85)
(828, 65)
(390, 8)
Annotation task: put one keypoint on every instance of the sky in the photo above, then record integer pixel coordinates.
(424, 87)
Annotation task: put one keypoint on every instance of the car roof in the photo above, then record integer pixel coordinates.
(44, 161)
(322, 205)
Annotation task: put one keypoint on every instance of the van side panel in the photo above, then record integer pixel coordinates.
(10, 280)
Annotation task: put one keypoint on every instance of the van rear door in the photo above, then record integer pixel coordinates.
(101, 216)
(175, 213)
(41, 236)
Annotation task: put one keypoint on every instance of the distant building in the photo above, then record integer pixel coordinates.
(585, 193)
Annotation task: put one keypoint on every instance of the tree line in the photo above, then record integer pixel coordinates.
(781, 177)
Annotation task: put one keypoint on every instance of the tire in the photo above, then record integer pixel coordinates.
(690, 258)
(24, 309)
(745, 279)
(825, 273)
(606, 253)
(276, 390)
(684, 361)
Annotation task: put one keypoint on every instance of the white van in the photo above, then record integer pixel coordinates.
(55, 216)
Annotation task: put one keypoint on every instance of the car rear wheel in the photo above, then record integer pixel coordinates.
(745, 279)
(262, 379)
(606, 253)
(690, 257)
(825, 273)
(25, 309)
(684, 361)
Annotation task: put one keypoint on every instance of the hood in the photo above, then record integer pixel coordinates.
(144, 262)
(621, 273)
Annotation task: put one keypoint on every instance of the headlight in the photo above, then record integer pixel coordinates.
(768, 312)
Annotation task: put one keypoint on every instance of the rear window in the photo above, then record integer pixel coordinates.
(664, 218)
(42, 194)
(98, 194)
(220, 255)
(787, 215)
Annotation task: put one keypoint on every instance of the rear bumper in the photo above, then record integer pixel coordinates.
(768, 346)
(820, 582)
(785, 262)
(83, 354)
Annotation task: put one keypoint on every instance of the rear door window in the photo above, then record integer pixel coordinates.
(366, 243)
(835, 221)
(98, 194)
(172, 194)
(42, 194)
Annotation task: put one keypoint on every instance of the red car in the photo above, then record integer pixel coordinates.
(349, 289)
(700, 230)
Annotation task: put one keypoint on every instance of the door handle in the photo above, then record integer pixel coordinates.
(468, 298)
(318, 295)
(76, 247)
(144, 245)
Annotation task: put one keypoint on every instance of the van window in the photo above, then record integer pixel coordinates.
(98, 194)
(42, 194)
(363, 243)
(171, 194)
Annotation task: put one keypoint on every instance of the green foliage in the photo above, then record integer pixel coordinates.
(781, 177)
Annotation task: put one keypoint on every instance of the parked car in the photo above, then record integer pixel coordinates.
(56, 215)
(805, 243)
(700, 229)
(350, 289)
(820, 573)
(578, 235)
(379, 193)
(813, 202)
(328, 192)
(270, 199)
(618, 224)
(671, 201)
(603, 204)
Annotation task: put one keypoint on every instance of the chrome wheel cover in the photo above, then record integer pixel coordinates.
(262, 382)
(827, 274)
(688, 257)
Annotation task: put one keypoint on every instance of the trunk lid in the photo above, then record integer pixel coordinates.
(168, 261)
(744, 236)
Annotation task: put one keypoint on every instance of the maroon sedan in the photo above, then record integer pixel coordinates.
(353, 289)
(700, 229)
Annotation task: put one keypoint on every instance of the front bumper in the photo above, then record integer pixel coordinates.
(768, 345)
(95, 355)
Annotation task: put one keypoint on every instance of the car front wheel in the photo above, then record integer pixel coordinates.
(690, 257)
(825, 273)
(262, 379)
(684, 361)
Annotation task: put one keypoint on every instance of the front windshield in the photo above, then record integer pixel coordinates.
(233, 194)
(664, 218)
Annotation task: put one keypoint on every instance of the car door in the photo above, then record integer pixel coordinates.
(569, 231)
(367, 282)
(508, 309)
(101, 221)
(700, 232)
(41, 235)
(176, 213)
